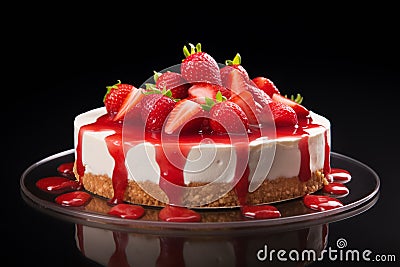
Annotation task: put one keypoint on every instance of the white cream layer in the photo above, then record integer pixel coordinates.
(206, 162)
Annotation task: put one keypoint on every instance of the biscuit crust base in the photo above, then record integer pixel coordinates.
(270, 191)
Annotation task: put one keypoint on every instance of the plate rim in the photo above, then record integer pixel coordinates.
(112, 222)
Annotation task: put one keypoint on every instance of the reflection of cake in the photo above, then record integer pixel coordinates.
(112, 248)
(206, 135)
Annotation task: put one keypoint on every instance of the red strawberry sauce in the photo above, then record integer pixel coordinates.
(66, 169)
(128, 211)
(57, 184)
(73, 199)
(178, 214)
(321, 203)
(336, 188)
(339, 175)
(171, 178)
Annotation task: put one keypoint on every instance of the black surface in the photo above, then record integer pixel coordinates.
(344, 62)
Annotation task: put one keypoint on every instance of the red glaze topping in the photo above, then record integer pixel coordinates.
(178, 214)
(73, 199)
(127, 211)
(321, 203)
(119, 257)
(339, 175)
(260, 212)
(336, 188)
(56, 183)
(66, 169)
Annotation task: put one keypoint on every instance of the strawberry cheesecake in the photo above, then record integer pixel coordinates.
(201, 135)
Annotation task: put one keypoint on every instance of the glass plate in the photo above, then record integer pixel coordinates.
(364, 193)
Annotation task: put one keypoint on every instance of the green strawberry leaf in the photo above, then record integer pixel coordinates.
(237, 60)
(209, 104)
(109, 88)
(298, 99)
(219, 97)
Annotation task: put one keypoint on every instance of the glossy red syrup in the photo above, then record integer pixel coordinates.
(242, 171)
(321, 203)
(114, 145)
(336, 188)
(127, 211)
(178, 214)
(171, 174)
(327, 161)
(119, 257)
(305, 171)
(171, 252)
(260, 212)
(73, 199)
(120, 173)
(81, 241)
(303, 145)
(241, 190)
(241, 187)
(339, 175)
(103, 123)
(57, 184)
(66, 169)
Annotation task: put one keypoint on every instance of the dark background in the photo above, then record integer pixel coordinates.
(344, 62)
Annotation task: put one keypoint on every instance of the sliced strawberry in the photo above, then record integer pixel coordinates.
(182, 113)
(199, 66)
(259, 95)
(283, 115)
(228, 117)
(266, 85)
(197, 124)
(236, 81)
(174, 82)
(199, 91)
(132, 99)
(246, 102)
(300, 110)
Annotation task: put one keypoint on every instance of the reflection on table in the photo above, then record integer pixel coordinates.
(258, 248)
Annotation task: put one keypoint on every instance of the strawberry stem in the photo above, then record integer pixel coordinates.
(298, 99)
(151, 89)
(110, 87)
(237, 60)
(210, 102)
(156, 75)
(186, 51)
(198, 47)
(193, 49)
(219, 97)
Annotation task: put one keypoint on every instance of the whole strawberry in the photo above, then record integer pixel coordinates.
(231, 65)
(199, 66)
(282, 115)
(115, 96)
(266, 85)
(174, 82)
(155, 109)
(228, 117)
